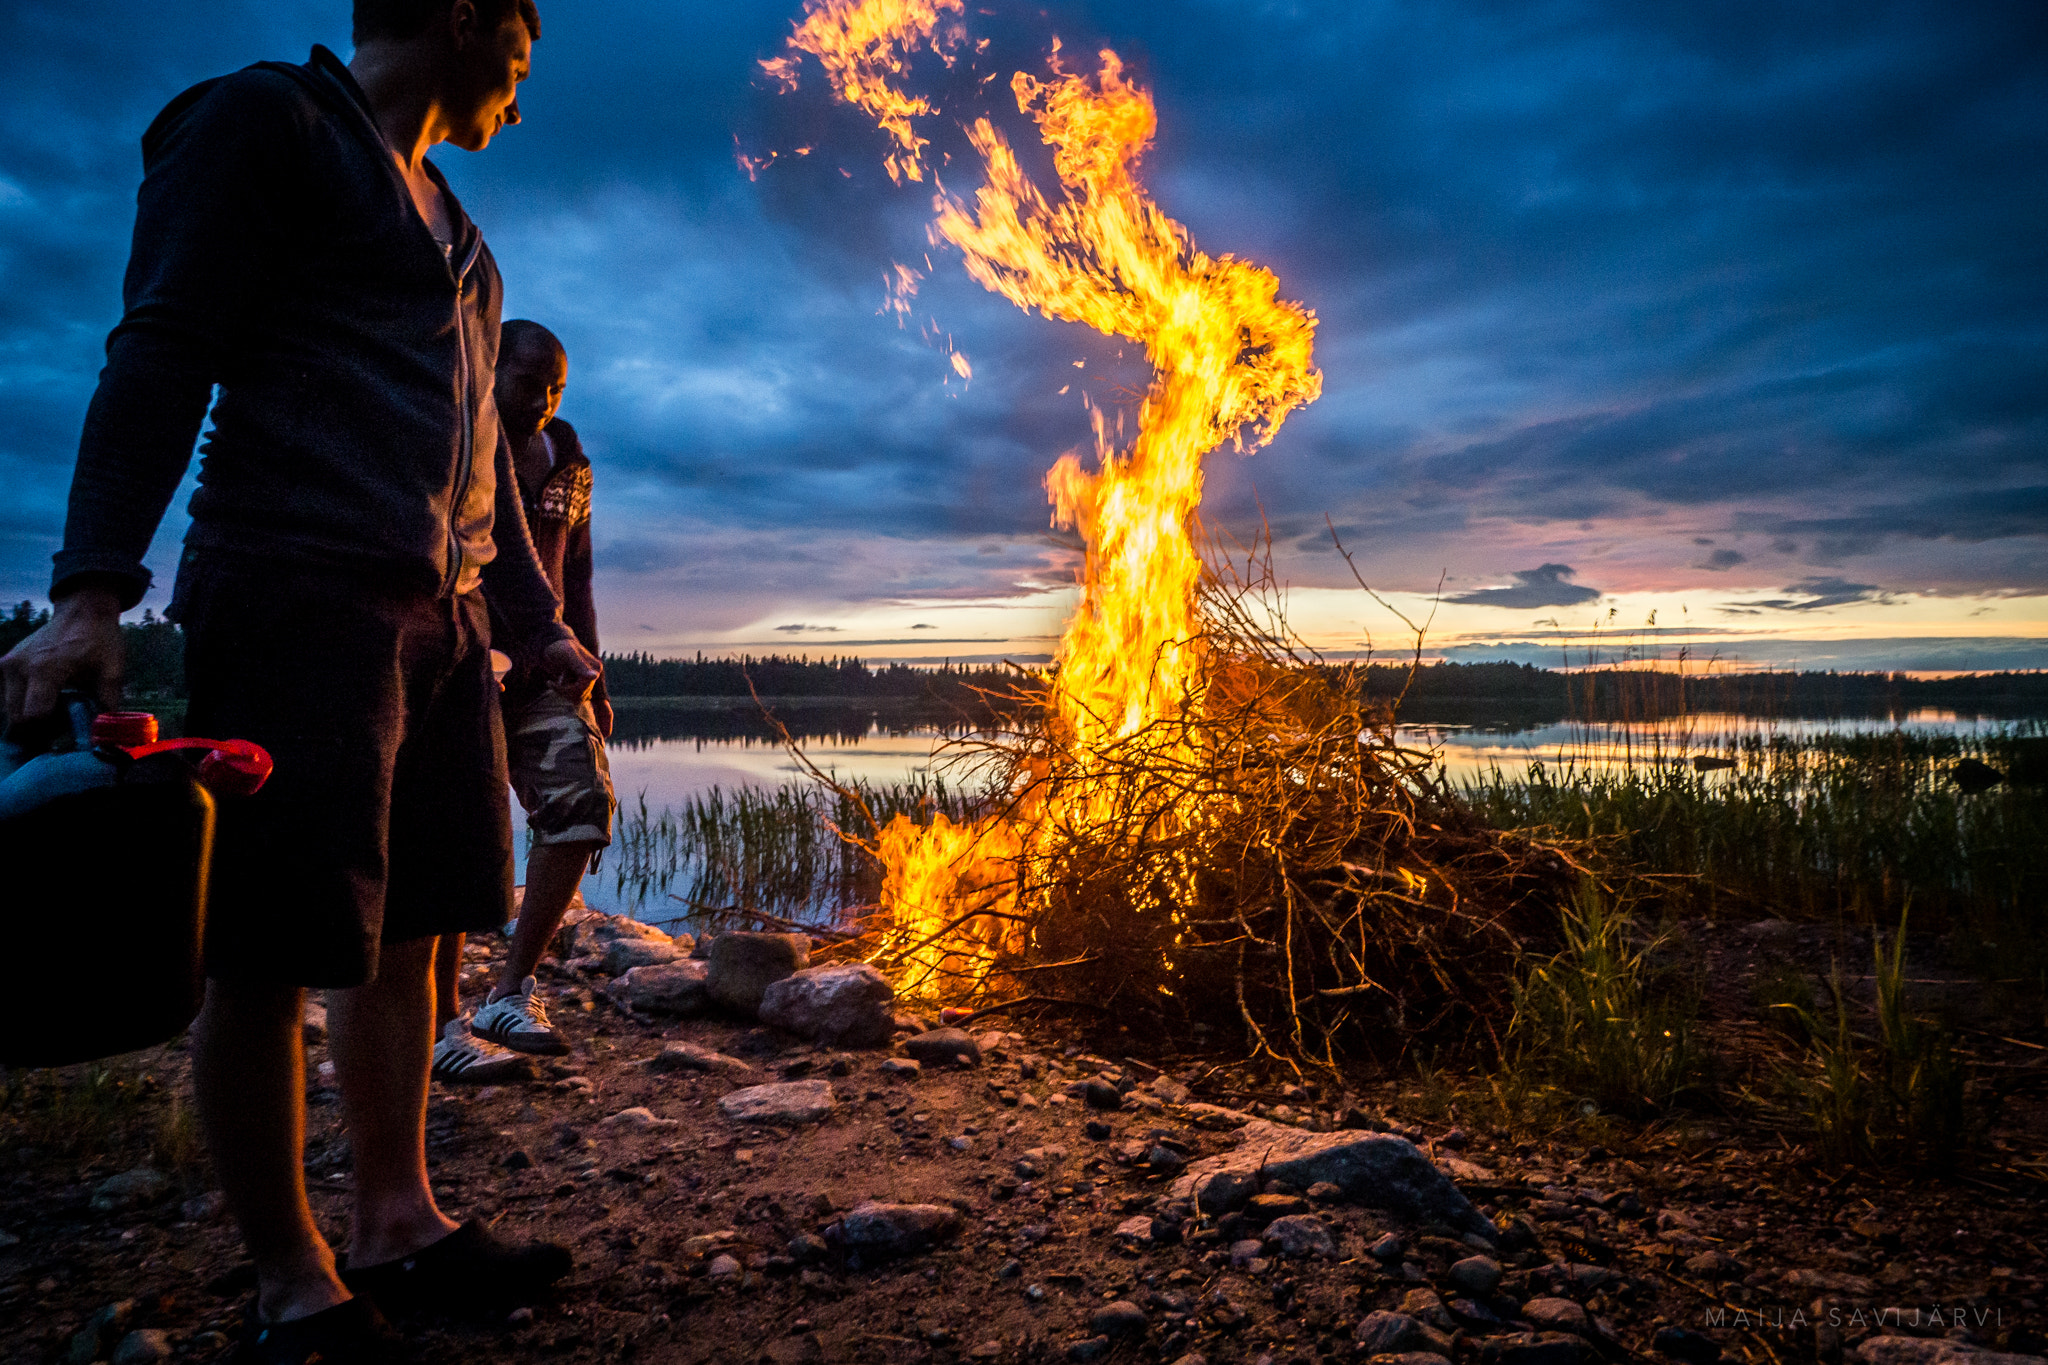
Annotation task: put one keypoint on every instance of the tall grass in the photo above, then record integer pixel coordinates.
(1609, 1019)
(1898, 1095)
(1824, 826)
(775, 851)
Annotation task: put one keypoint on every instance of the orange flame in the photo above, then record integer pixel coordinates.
(858, 42)
(1230, 360)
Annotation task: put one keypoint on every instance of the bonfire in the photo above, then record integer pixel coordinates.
(1195, 815)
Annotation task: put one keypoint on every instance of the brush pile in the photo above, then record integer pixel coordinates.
(1267, 856)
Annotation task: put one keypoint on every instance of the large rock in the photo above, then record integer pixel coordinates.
(744, 966)
(594, 935)
(143, 1185)
(679, 988)
(884, 1230)
(622, 955)
(1381, 1333)
(1375, 1169)
(852, 1006)
(780, 1102)
(944, 1047)
(1933, 1351)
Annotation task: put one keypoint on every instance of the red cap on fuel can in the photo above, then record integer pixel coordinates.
(123, 729)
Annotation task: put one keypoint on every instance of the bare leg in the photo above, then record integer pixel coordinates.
(381, 1037)
(447, 980)
(249, 1073)
(553, 872)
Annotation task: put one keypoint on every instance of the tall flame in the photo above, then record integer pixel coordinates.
(1230, 360)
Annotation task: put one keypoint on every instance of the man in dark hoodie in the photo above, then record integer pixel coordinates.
(294, 247)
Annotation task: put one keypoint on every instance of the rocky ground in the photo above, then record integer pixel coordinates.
(1054, 1191)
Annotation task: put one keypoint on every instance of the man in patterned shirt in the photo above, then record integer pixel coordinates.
(554, 746)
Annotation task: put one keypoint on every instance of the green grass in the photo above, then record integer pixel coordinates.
(1608, 1020)
(1824, 827)
(777, 851)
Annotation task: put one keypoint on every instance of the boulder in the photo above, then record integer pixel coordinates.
(791, 1102)
(1121, 1318)
(744, 966)
(943, 1047)
(622, 955)
(1374, 1169)
(850, 1006)
(1558, 1315)
(679, 988)
(881, 1231)
(1478, 1276)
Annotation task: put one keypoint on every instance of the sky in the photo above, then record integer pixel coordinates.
(1706, 330)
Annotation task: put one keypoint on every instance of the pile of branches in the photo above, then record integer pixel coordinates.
(1270, 856)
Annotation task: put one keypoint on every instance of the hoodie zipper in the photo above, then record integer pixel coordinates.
(465, 466)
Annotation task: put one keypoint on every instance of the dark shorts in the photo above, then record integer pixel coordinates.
(385, 819)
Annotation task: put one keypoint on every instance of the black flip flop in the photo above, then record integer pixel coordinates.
(469, 1271)
(350, 1333)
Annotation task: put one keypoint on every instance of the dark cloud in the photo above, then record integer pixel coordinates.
(801, 629)
(1586, 270)
(1544, 586)
(1812, 594)
(1722, 559)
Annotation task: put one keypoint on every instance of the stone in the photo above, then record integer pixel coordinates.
(1557, 1315)
(624, 954)
(1222, 1192)
(1682, 1343)
(1138, 1231)
(106, 1326)
(743, 967)
(807, 1248)
(1424, 1305)
(692, 1057)
(679, 988)
(1382, 1333)
(1478, 1276)
(1097, 1130)
(943, 1047)
(1533, 1348)
(723, 1266)
(1933, 1351)
(1715, 1265)
(1264, 1208)
(144, 1347)
(887, 1230)
(1374, 1169)
(1215, 1117)
(639, 1119)
(143, 1185)
(1169, 1089)
(1301, 1234)
(1387, 1248)
(8, 1239)
(1088, 1348)
(1243, 1253)
(1119, 1319)
(314, 1028)
(1830, 1282)
(841, 1006)
(1457, 1168)
(905, 1068)
(203, 1208)
(1098, 1093)
(593, 934)
(793, 1102)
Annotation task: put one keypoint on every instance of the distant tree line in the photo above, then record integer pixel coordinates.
(776, 675)
(156, 670)
(1624, 693)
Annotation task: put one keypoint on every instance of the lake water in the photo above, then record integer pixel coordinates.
(665, 754)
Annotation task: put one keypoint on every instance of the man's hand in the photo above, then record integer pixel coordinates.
(80, 646)
(601, 706)
(570, 669)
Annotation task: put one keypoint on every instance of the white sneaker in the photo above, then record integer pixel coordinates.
(520, 1022)
(460, 1056)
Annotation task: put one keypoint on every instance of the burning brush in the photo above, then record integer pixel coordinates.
(1197, 815)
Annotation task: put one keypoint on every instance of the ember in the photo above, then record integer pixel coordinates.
(1194, 812)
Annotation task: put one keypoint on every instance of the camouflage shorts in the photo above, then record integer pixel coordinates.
(559, 770)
